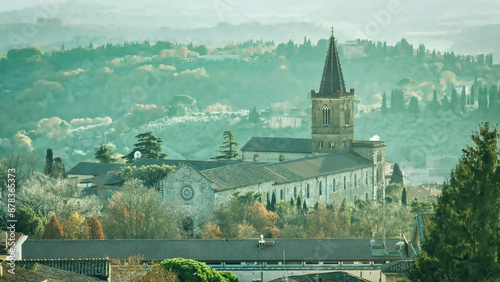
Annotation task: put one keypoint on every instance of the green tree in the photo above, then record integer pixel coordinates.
(191, 270)
(482, 99)
(49, 162)
(413, 106)
(228, 147)
(254, 116)
(397, 175)
(58, 169)
(383, 109)
(150, 175)
(454, 97)
(104, 154)
(420, 207)
(53, 230)
(463, 242)
(273, 202)
(28, 222)
(148, 145)
(403, 197)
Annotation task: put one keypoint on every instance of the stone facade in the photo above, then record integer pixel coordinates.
(271, 157)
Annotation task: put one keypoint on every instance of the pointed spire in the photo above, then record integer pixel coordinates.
(332, 80)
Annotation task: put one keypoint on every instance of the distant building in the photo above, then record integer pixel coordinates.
(284, 121)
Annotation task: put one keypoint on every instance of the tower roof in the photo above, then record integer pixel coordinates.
(332, 79)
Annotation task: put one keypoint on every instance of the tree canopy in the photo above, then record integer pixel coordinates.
(463, 242)
(104, 154)
(228, 147)
(148, 145)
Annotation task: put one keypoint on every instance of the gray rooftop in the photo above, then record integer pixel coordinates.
(329, 276)
(276, 144)
(95, 169)
(229, 250)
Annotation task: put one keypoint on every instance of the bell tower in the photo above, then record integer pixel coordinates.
(332, 108)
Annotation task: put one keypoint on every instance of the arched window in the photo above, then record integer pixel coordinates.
(281, 194)
(295, 192)
(334, 184)
(366, 178)
(355, 180)
(320, 189)
(256, 157)
(307, 191)
(282, 158)
(345, 184)
(325, 121)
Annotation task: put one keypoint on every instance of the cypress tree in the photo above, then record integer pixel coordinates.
(49, 163)
(454, 97)
(483, 99)
(383, 109)
(413, 107)
(304, 206)
(493, 98)
(299, 203)
(254, 116)
(403, 197)
(273, 202)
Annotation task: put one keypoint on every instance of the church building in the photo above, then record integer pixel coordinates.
(331, 166)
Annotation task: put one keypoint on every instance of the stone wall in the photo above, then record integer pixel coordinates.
(272, 157)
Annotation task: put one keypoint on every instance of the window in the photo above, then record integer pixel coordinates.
(325, 121)
(345, 186)
(366, 196)
(355, 180)
(334, 184)
(282, 158)
(256, 157)
(295, 192)
(320, 189)
(320, 144)
(281, 194)
(366, 178)
(307, 191)
(268, 198)
(331, 145)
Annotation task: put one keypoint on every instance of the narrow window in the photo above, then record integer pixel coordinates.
(320, 189)
(333, 185)
(366, 178)
(325, 121)
(331, 145)
(295, 192)
(346, 114)
(345, 186)
(281, 194)
(355, 180)
(320, 144)
(307, 191)
(256, 157)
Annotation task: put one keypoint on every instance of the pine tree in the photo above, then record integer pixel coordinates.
(53, 230)
(462, 242)
(95, 228)
(148, 145)
(403, 197)
(435, 103)
(58, 169)
(397, 175)
(229, 151)
(49, 162)
(454, 97)
(104, 154)
(384, 104)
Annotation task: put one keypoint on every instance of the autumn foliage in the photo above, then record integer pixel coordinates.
(94, 228)
(53, 230)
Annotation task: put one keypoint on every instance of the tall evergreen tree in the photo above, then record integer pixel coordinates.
(403, 197)
(148, 145)
(463, 242)
(413, 106)
(273, 202)
(299, 203)
(104, 154)
(228, 147)
(397, 175)
(254, 116)
(49, 162)
(58, 169)
(383, 109)
(493, 98)
(454, 97)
